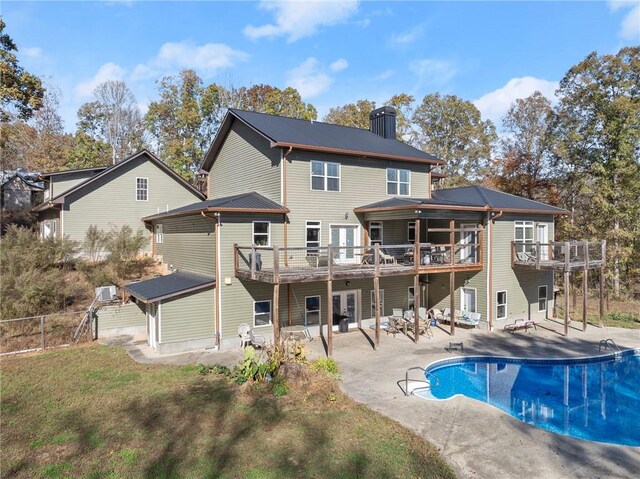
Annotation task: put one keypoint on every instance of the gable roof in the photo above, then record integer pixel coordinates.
(285, 132)
(470, 198)
(59, 199)
(164, 287)
(243, 203)
(28, 179)
(71, 171)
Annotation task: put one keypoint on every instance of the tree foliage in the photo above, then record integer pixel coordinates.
(352, 114)
(19, 89)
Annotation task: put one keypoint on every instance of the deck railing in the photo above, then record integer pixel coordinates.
(566, 255)
(293, 264)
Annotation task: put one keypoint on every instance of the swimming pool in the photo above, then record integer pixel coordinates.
(594, 398)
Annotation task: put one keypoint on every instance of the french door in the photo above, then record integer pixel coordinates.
(543, 239)
(468, 300)
(468, 237)
(345, 305)
(344, 238)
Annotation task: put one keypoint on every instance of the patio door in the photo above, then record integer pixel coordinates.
(543, 239)
(468, 300)
(468, 237)
(343, 239)
(345, 304)
(153, 329)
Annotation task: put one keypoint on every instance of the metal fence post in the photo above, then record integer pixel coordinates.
(42, 342)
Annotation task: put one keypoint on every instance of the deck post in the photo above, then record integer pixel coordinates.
(276, 264)
(513, 253)
(376, 289)
(330, 261)
(480, 246)
(452, 302)
(566, 302)
(276, 313)
(329, 316)
(452, 240)
(416, 308)
(252, 260)
(585, 276)
(376, 259)
(567, 256)
(235, 258)
(289, 287)
(538, 252)
(416, 246)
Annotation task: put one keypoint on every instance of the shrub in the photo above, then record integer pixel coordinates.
(278, 386)
(123, 247)
(327, 366)
(95, 243)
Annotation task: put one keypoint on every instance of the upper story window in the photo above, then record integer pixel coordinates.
(523, 233)
(375, 232)
(142, 189)
(325, 176)
(398, 182)
(261, 233)
(159, 234)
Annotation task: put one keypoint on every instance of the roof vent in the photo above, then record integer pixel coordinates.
(382, 122)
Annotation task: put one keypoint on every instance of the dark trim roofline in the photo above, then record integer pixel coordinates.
(73, 170)
(59, 199)
(461, 208)
(171, 295)
(213, 209)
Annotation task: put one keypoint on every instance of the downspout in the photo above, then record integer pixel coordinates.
(218, 296)
(490, 268)
(283, 200)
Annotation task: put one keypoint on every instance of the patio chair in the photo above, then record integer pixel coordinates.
(387, 258)
(248, 337)
(437, 314)
(398, 313)
(392, 326)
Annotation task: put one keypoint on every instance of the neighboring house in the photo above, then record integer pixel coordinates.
(308, 223)
(112, 196)
(21, 190)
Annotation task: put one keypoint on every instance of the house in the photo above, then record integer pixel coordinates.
(309, 223)
(112, 196)
(21, 190)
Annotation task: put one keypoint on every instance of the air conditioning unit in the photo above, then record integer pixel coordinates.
(106, 293)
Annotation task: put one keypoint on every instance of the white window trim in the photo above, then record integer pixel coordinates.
(253, 232)
(409, 229)
(373, 303)
(146, 189)
(524, 225)
(546, 298)
(270, 314)
(319, 309)
(462, 298)
(325, 175)
(506, 297)
(159, 230)
(409, 297)
(378, 225)
(317, 225)
(398, 170)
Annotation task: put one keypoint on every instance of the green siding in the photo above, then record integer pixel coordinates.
(245, 163)
(188, 317)
(111, 200)
(128, 315)
(61, 183)
(188, 244)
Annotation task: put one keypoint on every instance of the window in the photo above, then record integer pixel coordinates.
(398, 182)
(159, 234)
(375, 232)
(524, 234)
(261, 233)
(542, 298)
(142, 189)
(261, 313)
(501, 304)
(311, 310)
(313, 237)
(411, 298)
(411, 231)
(373, 303)
(325, 176)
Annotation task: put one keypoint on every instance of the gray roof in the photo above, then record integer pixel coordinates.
(251, 202)
(95, 169)
(478, 198)
(164, 287)
(315, 135)
(31, 178)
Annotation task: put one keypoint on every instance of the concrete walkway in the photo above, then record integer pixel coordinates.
(477, 440)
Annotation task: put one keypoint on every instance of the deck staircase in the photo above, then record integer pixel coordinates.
(86, 325)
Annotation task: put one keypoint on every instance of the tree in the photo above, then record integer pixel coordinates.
(351, 114)
(84, 151)
(403, 103)
(525, 166)
(273, 101)
(597, 126)
(452, 129)
(113, 118)
(19, 89)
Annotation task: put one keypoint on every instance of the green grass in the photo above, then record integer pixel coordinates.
(93, 412)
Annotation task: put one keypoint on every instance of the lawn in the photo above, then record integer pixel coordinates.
(92, 412)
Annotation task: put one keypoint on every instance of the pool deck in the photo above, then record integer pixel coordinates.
(477, 440)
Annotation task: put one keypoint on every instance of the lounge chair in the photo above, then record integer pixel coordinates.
(469, 319)
(248, 337)
(520, 324)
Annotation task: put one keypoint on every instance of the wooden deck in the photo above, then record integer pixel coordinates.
(568, 256)
(558, 265)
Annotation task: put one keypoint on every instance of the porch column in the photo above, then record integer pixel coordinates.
(276, 313)
(416, 307)
(376, 288)
(452, 240)
(452, 301)
(329, 317)
(566, 302)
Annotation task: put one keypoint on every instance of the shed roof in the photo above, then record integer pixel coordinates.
(251, 202)
(286, 132)
(164, 287)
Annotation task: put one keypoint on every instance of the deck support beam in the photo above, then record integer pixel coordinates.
(416, 308)
(376, 289)
(452, 302)
(276, 313)
(566, 302)
(329, 318)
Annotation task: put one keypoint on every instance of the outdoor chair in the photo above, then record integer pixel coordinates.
(469, 319)
(387, 258)
(392, 326)
(397, 313)
(248, 337)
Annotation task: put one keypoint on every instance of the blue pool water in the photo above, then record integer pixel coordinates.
(590, 398)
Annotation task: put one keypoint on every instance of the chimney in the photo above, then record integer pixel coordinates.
(382, 122)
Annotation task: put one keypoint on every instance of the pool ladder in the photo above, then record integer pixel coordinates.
(610, 344)
(410, 386)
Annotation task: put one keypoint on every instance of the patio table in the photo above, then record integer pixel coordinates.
(296, 332)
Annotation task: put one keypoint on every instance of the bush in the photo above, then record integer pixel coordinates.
(327, 366)
(95, 243)
(123, 245)
(19, 218)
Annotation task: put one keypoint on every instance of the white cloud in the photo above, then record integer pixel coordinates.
(299, 19)
(31, 52)
(615, 5)
(494, 105)
(108, 71)
(339, 65)
(408, 37)
(207, 59)
(433, 72)
(311, 78)
(383, 75)
(630, 29)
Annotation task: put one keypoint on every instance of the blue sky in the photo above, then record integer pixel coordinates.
(334, 52)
